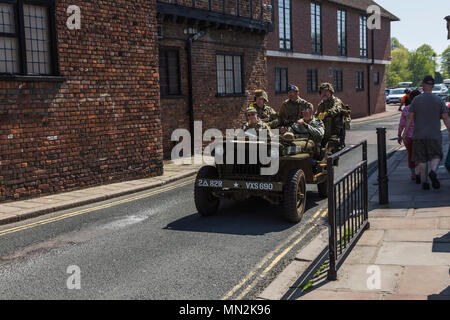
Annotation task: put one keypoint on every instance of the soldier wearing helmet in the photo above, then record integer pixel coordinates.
(254, 122)
(265, 113)
(291, 110)
(335, 115)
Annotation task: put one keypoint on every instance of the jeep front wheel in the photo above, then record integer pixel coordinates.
(294, 202)
(205, 202)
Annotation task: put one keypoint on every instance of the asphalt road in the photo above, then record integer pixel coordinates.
(154, 245)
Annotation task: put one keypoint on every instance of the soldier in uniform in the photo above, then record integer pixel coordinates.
(307, 133)
(265, 113)
(291, 109)
(334, 115)
(255, 123)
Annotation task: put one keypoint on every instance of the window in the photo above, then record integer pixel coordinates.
(363, 36)
(359, 80)
(311, 80)
(169, 71)
(342, 32)
(26, 38)
(316, 30)
(337, 80)
(281, 80)
(376, 76)
(229, 74)
(284, 24)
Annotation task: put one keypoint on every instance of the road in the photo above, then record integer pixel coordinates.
(154, 245)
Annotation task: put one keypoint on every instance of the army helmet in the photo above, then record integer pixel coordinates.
(261, 94)
(326, 86)
(251, 110)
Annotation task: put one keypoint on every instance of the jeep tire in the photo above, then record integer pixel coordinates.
(205, 202)
(294, 201)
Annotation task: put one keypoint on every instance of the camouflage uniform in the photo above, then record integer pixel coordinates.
(260, 125)
(333, 112)
(265, 114)
(307, 137)
(291, 111)
(314, 130)
(257, 126)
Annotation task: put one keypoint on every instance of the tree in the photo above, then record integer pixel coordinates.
(395, 44)
(420, 66)
(398, 71)
(428, 52)
(445, 63)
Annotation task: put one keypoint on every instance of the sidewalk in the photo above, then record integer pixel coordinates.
(408, 242)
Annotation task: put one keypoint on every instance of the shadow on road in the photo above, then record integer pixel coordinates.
(250, 217)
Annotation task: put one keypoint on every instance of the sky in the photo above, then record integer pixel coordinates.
(421, 22)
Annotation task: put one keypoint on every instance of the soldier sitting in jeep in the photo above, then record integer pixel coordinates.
(305, 135)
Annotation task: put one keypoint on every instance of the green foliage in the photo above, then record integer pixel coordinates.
(398, 70)
(414, 65)
(445, 63)
(395, 44)
(420, 66)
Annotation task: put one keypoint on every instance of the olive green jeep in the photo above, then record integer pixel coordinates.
(285, 187)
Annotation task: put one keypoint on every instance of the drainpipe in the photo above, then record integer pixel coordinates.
(369, 78)
(189, 42)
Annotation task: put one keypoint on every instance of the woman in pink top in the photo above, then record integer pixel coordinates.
(408, 139)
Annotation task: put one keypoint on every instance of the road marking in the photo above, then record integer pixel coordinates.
(274, 262)
(269, 256)
(80, 212)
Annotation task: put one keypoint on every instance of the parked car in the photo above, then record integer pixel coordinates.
(395, 96)
(440, 89)
(387, 92)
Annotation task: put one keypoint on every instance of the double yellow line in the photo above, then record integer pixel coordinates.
(108, 205)
(269, 259)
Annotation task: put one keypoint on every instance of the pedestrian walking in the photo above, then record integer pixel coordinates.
(427, 110)
(408, 140)
(403, 101)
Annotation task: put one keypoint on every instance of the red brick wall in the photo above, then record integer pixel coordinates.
(215, 112)
(301, 43)
(358, 100)
(105, 115)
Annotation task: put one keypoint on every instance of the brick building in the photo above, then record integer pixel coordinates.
(329, 41)
(221, 44)
(77, 107)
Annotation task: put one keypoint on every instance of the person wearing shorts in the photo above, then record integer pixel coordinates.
(427, 110)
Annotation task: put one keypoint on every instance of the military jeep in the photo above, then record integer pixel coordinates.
(287, 187)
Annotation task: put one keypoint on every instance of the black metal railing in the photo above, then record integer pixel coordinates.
(347, 206)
